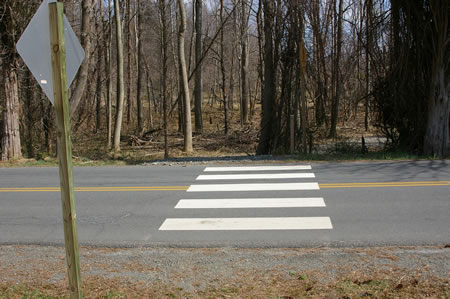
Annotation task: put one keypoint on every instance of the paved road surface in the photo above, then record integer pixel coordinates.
(249, 205)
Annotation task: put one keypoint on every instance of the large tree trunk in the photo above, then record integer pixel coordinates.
(268, 99)
(184, 79)
(436, 142)
(244, 63)
(198, 73)
(80, 87)
(11, 148)
(120, 84)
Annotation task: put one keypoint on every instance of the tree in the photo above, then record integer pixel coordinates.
(244, 62)
(164, 57)
(437, 135)
(80, 86)
(337, 83)
(129, 31)
(222, 69)
(108, 70)
(184, 78)
(120, 83)
(268, 96)
(10, 12)
(198, 90)
(140, 66)
(99, 25)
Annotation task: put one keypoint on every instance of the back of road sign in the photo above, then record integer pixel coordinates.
(34, 48)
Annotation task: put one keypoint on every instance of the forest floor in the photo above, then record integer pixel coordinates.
(89, 148)
(388, 272)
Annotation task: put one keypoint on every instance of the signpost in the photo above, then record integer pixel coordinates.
(44, 50)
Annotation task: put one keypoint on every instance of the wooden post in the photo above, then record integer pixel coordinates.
(60, 92)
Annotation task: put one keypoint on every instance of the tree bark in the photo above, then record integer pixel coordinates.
(184, 79)
(337, 83)
(99, 88)
(140, 67)
(268, 99)
(29, 96)
(368, 49)
(108, 71)
(80, 87)
(129, 63)
(436, 141)
(11, 148)
(120, 83)
(198, 62)
(244, 63)
(222, 68)
(164, 56)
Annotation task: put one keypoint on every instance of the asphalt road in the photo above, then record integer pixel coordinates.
(354, 204)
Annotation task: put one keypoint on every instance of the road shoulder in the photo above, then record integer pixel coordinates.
(230, 272)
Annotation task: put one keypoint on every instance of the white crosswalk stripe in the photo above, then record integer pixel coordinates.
(242, 203)
(253, 187)
(262, 223)
(258, 168)
(259, 176)
(251, 223)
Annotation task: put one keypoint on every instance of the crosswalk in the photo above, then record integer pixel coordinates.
(266, 182)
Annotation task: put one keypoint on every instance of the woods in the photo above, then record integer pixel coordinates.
(373, 67)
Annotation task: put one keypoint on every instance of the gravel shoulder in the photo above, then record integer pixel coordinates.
(230, 272)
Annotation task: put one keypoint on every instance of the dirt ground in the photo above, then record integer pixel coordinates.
(31, 271)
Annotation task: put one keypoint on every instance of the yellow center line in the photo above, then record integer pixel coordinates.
(385, 184)
(184, 188)
(97, 189)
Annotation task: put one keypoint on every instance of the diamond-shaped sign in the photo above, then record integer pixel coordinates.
(34, 48)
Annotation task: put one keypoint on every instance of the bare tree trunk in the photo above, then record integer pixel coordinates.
(140, 67)
(198, 73)
(164, 52)
(29, 95)
(99, 29)
(232, 58)
(129, 63)
(149, 98)
(80, 87)
(184, 79)
(108, 71)
(368, 49)
(304, 107)
(337, 83)
(120, 83)
(244, 63)
(436, 141)
(265, 139)
(11, 148)
(222, 67)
